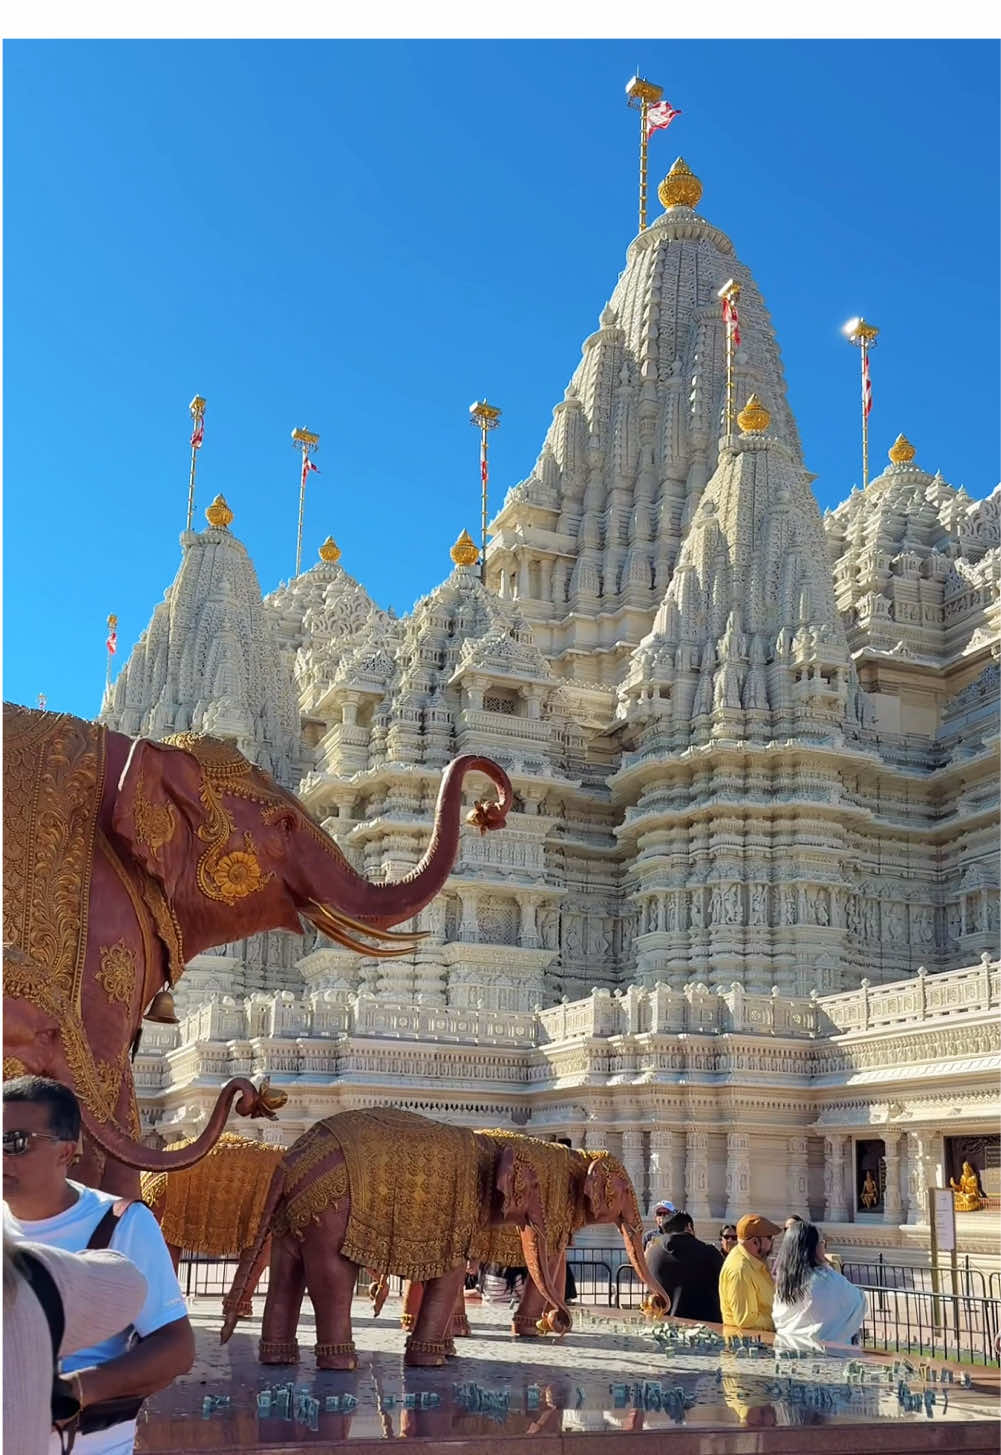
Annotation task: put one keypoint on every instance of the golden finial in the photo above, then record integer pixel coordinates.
(219, 513)
(754, 418)
(902, 452)
(464, 552)
(330, 551)
(681, 187)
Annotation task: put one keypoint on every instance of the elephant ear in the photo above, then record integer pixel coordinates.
(158, 808)
(601, 1196)
(518, 1185)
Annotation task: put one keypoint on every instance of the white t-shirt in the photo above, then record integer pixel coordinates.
(137, 1235)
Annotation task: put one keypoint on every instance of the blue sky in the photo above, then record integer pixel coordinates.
(363, 237)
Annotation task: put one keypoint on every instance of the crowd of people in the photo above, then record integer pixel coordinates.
(759, 1277)
(95, 1321)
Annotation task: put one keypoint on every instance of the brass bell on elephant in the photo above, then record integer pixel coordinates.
(161, 1009)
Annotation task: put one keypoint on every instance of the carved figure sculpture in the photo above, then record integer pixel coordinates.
(869, 1195)
(966, 1194)
(215, 1208)
(579, 1189)
(394, 1192)
(122, 860)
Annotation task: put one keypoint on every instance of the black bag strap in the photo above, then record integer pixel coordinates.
(104, 1232)
(43, 1286)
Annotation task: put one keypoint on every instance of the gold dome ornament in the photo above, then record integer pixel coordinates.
(681, 187)
(330, 551)
(219, 513)
(465, 552)
(902, 452)
(754, 418)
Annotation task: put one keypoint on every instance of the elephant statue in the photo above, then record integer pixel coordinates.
(123, 859)
(393, 1192)
(579, 1189)
(216, 1206)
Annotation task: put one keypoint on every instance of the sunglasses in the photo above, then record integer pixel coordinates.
(728, 1238)
(15, 1144)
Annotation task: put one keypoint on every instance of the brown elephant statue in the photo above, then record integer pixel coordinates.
(393, 1192)
(123, 859)
(215, 1207)
(580, 1189)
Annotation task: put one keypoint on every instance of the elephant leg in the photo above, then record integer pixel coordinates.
(331, 1280)
(430, 1343)
(287, 1284)
(460, 1320)
(412, 1295)
(531, 1307)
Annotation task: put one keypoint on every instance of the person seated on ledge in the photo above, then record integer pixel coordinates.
(814, 1304)
(745, 1284)
(966, 1196)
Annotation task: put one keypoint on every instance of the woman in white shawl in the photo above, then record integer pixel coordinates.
(813, 1304)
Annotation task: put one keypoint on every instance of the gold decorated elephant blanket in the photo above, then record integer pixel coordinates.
(418, 1188)
(216, 1206)
(53, 776)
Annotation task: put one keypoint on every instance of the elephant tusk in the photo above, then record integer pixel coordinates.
(347, 922)
(336, 926)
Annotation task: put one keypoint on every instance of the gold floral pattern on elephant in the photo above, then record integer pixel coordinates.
(118, 971)
(52, 767)
(560, 1173)
(238, 873)
(319, 1197)
(155, 822)
(13, 1067)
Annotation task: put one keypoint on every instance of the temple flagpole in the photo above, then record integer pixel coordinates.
(640, 94)
(111, 645)
(485, 417)
(197, 411)
(863, 335)
(728, 295)
(305, 441)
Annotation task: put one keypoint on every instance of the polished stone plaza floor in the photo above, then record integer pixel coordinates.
(605, 1378)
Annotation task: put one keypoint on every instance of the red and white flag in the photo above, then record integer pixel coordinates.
(732, 319)
(483, 460)
(866, 386)
(198, 434)
(112, 642)
(308, 468)
(659, 116)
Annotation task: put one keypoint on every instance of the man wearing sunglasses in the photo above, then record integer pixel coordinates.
(40, 1136)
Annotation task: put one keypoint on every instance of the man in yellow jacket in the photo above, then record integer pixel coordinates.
(745, 1284)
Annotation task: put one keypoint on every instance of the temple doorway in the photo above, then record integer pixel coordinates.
(870, 1176)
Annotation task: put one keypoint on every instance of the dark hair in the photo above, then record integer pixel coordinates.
(728, 1230)
(796, 1260)
(63, 1107)
(678, 1222)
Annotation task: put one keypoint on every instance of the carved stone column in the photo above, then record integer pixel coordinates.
(659, 1167)
(835, 1200)
(920, 1174)
(633, 1162)
(468, 927)
(530, 939)
(892, 1205)
(697, 1175)
(738, 1175)
(797, 1178)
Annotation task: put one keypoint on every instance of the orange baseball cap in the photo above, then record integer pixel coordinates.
(753, 1225)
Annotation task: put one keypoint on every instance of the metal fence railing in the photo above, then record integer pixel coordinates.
(905, 1314)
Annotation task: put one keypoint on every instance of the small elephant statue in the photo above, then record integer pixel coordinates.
(393, 1192)
(580, 1189)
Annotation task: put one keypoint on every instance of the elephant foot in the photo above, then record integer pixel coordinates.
(336, 1356)
(278, 1351)
(246, 1310)
(407, 1323)
(460, 1326)
(426, 1353)
(523, 1327)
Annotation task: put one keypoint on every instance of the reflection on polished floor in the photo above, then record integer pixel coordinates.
(600, 1381)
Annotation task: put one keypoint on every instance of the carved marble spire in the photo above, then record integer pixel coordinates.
(623, 465)
(209, 660)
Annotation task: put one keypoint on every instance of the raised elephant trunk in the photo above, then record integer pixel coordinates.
(338, 896)
(250, 1101)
